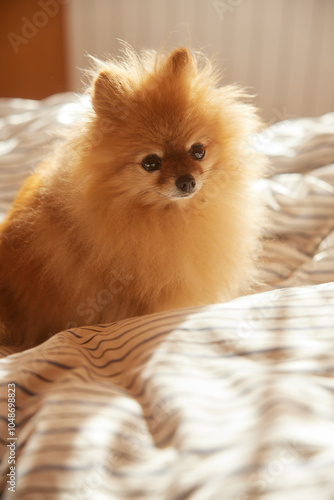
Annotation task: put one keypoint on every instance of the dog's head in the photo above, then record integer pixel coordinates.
(163, 129)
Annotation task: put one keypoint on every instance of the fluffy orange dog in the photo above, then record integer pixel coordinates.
(148, 206)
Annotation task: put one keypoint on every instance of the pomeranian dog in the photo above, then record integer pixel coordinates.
(147, 206)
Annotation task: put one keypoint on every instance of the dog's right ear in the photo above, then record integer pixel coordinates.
(107, 92)
(178, 61)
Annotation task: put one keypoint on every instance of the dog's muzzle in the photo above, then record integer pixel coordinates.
(186, 184)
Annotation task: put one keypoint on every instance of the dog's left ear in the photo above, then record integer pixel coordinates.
(179, 61)
(108, 92)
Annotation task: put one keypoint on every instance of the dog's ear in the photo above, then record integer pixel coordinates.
(108, 89)
(178, 61)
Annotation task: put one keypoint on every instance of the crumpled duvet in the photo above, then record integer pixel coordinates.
(232, 401)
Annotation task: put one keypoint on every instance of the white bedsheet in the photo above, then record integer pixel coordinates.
(233, 401)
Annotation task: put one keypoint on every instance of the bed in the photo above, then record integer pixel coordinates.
(232, 401)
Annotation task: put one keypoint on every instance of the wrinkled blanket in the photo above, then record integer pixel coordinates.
(232, 401)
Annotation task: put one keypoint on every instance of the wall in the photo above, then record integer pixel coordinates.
(32, 48)
(281, 49)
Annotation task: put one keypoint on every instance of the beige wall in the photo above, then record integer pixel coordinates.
(282, 49)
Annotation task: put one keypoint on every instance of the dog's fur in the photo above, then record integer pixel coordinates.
(92, 237)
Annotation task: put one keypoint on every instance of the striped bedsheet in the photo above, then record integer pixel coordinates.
(232, 401)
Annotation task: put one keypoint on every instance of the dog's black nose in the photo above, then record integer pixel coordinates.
(186, 183)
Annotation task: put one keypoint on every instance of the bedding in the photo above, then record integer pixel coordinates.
(232, 401)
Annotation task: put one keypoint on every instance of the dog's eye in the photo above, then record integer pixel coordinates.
(151, 163)
(197, 151)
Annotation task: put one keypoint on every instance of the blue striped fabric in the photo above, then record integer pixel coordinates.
(232, 401)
